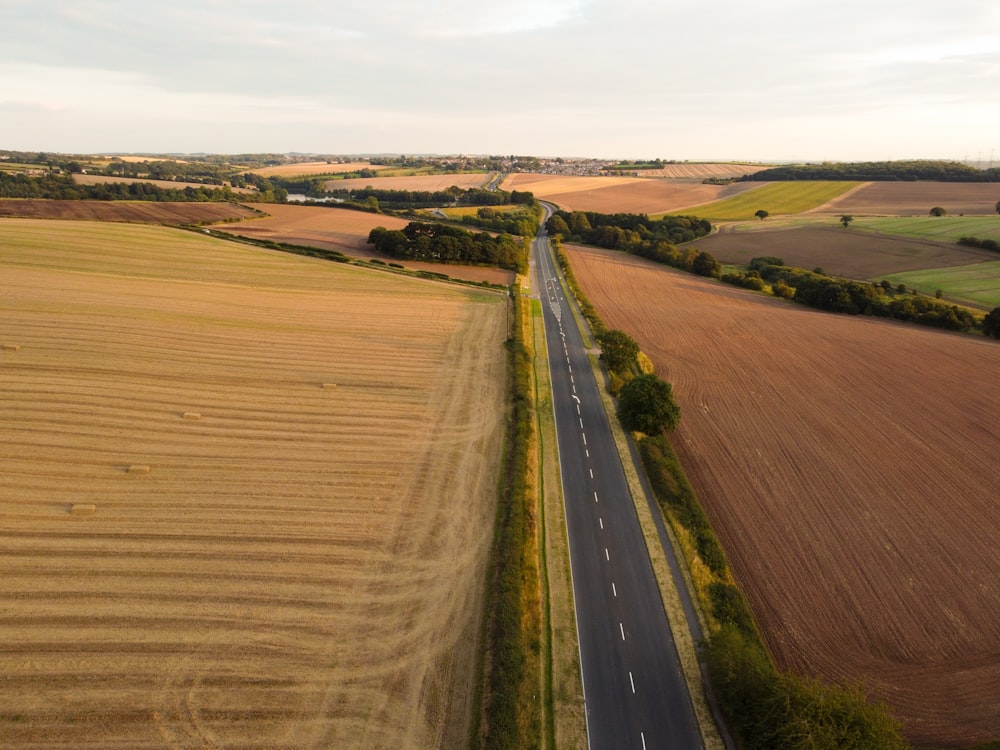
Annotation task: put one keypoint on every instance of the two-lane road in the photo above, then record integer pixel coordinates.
(635, 692)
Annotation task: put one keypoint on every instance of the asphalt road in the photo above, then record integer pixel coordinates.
(635, 692)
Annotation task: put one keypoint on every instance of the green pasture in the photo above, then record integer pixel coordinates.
(977, 284)
(777, 198)
(940, 228)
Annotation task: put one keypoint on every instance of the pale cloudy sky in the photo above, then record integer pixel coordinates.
(675, 79)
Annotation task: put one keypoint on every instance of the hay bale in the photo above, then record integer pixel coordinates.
(329, 385)
(138, 469)
(11, 347)
(82, 509)
(192, 415)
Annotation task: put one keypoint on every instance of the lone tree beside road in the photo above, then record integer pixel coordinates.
(761, 214)
(646, 404)
(845, 220)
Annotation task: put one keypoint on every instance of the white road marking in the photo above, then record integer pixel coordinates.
(595, 497)
(606, 555)
(614, 591)
(575, 396)
(591, 473)
(601, 521)
(643, 738)
(622, 628)
(585, 439)
(581, 423)
(578, 409)
(585, 450)
(632, 682)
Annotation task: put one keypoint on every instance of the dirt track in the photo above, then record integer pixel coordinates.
(850, 468)
(244, 501)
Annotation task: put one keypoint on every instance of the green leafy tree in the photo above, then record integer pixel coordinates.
(991, 323)
(997, 207)
(557, 225)
(618, 350)
(846, 219)
(761, 214)
(705, 264)
(938, 211)
(646, 404)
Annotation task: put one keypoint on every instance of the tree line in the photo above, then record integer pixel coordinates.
(441, 243)
(638, 234)
(62, 187)
(879, 171)
(850, 297)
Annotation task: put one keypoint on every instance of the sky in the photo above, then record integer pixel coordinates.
(772, 80)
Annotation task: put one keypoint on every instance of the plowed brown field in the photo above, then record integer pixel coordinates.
(306, 168)
(849, 466)
(246, 499)
(917, 199)
(132, 211)
(347, 232)
(620, 194)
(702, 170)
(840, 252)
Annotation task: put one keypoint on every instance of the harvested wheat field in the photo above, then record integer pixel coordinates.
(307, 168)
(701, 170)
(97, 179)
(620, 194)
(346, 231)
(917, 199)
(849, 467)
(416, 182)
(148, 212)
(246, 498)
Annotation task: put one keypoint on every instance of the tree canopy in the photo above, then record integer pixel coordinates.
(646, 404)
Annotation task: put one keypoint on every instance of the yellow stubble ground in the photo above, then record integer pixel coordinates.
(301, 565)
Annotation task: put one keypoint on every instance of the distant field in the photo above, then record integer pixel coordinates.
(917, 199)
(695, 170)
(840, 252)
(96, 179)
(419, 182)
(941, 228)
(246, 498)
(978, 284)
(152, 212)
(309, 168)
(345, 231)
(621, 194)
(777, 198)
(849, 466)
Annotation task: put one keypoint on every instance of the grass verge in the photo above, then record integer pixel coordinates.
(511, 715)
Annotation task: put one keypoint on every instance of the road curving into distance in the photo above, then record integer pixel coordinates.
(634, 688)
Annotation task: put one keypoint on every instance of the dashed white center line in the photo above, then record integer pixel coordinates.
(581, 423)
(631, 682)
(622, 628)
(585, 439)
(601, 521)
(643, 738)
(614, 591)
(591, 473)
(606, 555)
(595, 497)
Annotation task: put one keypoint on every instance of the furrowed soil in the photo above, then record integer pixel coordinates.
(149, 212)
(838, 251)
(917, 199)
(346, 231)
(621, 194)
(849, 467)
(246, 498)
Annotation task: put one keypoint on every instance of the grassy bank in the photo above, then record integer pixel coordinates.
(511, 707)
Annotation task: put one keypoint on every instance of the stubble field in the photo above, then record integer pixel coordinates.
(246, 498)
(849, 469)
(417, 182)
(148, 212)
